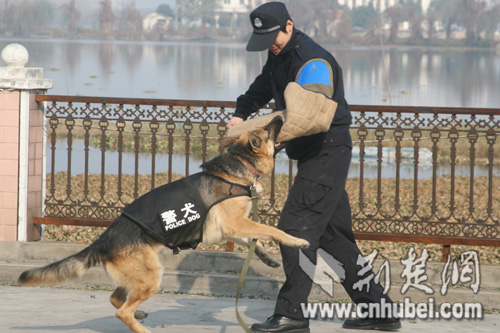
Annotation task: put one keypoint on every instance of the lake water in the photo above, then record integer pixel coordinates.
(388, 168)
(210, 71)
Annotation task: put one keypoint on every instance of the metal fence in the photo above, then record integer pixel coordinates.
(418, 174)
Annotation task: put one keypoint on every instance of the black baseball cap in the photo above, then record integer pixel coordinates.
(267, 20)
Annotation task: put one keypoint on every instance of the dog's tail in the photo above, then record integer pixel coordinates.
(69, 268)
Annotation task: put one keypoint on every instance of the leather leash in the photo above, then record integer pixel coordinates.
(246, 264)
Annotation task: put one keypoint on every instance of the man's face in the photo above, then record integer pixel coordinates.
(281, 40)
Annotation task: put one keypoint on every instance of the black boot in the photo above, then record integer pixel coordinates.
(381, 324)
(278, 323)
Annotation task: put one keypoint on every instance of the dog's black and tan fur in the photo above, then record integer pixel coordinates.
(130, 255)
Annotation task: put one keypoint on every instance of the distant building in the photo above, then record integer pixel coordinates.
(155, 21)
(236, 8)
(380, 5)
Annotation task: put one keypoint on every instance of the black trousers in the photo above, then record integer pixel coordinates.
(318, 210)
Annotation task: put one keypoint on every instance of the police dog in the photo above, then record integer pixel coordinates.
(129, 252)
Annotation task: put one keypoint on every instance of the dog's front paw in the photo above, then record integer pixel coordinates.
(302, 243)
(271, 262)
(266, 258)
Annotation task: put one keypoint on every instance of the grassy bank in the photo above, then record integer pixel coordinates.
(371, 199)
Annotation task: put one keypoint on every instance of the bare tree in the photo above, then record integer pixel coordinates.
(313, 16)
(131, 19)
(106, 17)
(344, 28)
(70, 15)
(14, 18)
(24, 18)
(470, 10)
(488, 22)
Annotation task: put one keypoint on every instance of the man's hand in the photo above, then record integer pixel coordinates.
(234, 121)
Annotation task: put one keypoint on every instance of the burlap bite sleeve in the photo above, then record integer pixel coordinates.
(307, 113)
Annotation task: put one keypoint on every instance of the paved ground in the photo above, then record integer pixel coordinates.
(24, 309)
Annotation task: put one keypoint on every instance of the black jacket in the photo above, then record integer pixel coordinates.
(271, 83)
(175, 213)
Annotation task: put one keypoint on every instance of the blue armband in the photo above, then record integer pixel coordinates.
(316, 75)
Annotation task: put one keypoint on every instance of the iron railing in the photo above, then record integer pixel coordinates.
(419, 174)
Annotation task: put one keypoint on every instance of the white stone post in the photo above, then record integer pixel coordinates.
(22, 161)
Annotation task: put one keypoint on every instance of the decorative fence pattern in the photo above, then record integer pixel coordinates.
(458, 201)
(418, 174)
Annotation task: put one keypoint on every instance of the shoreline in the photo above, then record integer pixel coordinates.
(236, 41)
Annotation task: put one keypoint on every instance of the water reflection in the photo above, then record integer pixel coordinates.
(204, 71)
(128, 161)
(422, 77)
(370, 167)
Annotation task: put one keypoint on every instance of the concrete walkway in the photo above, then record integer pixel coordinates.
(25, 309)
(82, 305)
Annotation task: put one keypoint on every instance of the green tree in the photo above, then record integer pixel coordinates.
(446, 12)
(393, 14)
(194, 12)
(165, 10)
(464, 13)
(188, 11)
(362, 16)
(413, 11)
(431, 19)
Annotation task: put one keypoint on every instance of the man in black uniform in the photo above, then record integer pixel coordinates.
(317, 208)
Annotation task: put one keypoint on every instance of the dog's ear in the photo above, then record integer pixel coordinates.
(254, 142)
(228, 141)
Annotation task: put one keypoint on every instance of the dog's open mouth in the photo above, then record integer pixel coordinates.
(275, 125)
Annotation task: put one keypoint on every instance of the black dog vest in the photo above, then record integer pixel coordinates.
(176, 212)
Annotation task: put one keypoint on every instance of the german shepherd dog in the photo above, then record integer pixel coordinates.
(129, 252)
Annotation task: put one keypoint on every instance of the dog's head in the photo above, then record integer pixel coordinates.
(261, 140)
(256, 146)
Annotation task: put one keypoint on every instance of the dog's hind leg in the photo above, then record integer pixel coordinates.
(119, 297)
(138, 272)
(127, 312)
